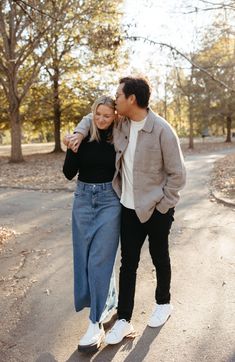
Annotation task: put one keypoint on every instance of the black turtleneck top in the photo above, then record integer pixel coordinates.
(94, 161)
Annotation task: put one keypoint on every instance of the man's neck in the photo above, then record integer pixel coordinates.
(138, 114)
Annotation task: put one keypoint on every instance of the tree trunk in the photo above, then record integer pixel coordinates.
(16, 149)
(165, 101)
(191, 141)
(228, 128)
(57, 111)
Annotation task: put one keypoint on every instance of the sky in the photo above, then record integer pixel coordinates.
(163, 21)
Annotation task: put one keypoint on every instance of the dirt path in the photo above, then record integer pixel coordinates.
(38, 322)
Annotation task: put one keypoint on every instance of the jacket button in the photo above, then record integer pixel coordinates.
(120, 151)
(126, 137)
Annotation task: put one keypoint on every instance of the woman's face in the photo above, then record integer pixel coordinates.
(104, 116)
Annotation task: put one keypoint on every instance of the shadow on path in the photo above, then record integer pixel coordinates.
(46, 357)
(136, 353)
(141, 349)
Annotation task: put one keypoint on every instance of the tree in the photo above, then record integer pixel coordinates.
(37, 112)
(216, 103)
(21, 47)
(76, 46)
(33, 32)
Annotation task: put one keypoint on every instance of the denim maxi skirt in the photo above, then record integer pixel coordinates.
(95, 228)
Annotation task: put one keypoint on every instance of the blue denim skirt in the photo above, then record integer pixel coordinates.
(95, 228)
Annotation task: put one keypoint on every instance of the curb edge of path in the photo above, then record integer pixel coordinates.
(225, 201)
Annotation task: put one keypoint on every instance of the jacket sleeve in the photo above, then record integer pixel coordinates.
(174, 168)
(70, 167)
(84, 125)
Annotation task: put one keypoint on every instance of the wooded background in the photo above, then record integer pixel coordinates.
(57, 56)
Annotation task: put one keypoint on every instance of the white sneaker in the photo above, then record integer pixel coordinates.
(92, 339)
(160, 315)
(121, 329)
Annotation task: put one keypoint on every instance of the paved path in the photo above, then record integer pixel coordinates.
(38, 322)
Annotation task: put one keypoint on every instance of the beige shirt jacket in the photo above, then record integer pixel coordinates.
(158, 169)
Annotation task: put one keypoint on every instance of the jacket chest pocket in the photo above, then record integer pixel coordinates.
(151, 160)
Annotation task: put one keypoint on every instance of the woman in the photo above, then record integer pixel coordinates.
(95, 221)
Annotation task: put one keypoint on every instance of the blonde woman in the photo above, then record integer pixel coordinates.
(95, 221)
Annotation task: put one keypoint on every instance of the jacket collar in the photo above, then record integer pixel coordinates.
(148, 126)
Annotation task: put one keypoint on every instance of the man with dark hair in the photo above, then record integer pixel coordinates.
(139, 87)
(149, 174)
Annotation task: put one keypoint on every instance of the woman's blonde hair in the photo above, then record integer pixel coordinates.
(103, 100)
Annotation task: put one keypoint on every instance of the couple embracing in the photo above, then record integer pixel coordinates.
(130, 171)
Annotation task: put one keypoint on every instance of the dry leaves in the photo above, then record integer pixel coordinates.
(39, 171)
(223, 176)
(5, 234)
(205, 146)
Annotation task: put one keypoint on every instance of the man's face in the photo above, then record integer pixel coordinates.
(122, 103)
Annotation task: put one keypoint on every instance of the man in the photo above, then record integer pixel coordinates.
(149, 174)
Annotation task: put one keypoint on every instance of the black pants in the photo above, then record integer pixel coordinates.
(133, 234)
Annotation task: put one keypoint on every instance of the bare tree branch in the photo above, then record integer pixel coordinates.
(20, 29)
(223, 4)
(31, 45)
(197, 10)
(48, 71)
(3, 32)
(210, 6)
(174, 50)
(32, 77)
(22, 2)
(17, 2)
